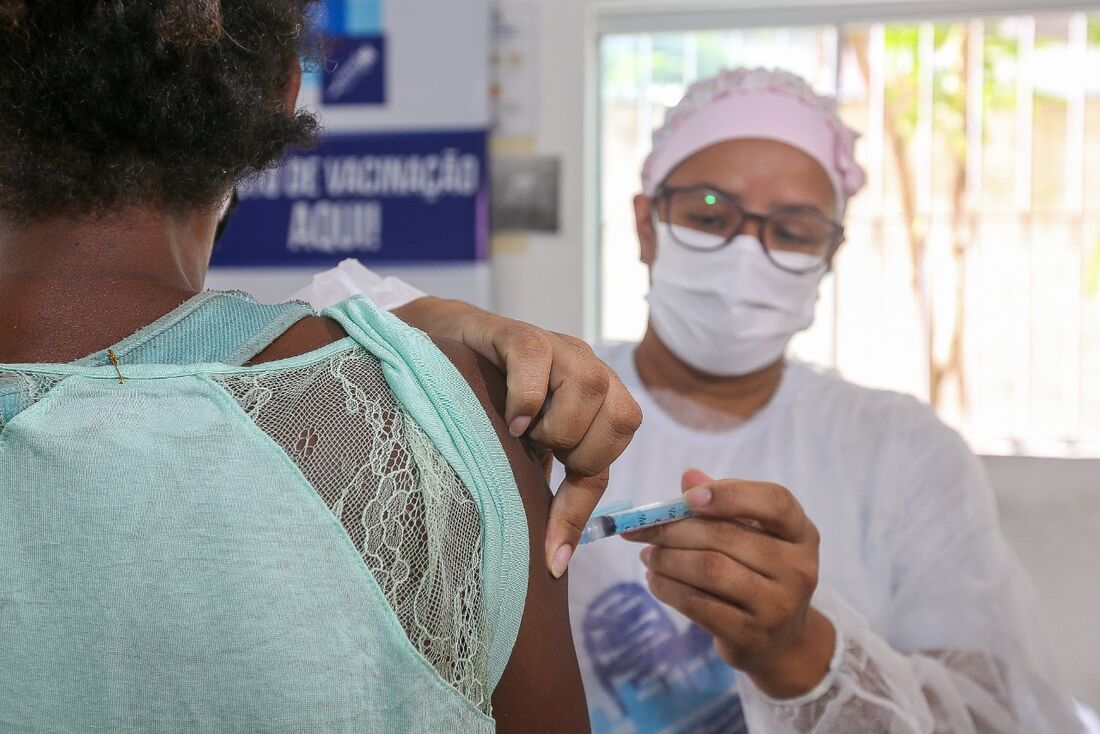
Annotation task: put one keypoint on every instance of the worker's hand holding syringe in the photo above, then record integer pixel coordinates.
(744, 567)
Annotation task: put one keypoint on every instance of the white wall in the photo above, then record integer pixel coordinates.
(544, 283)
(1051, 508)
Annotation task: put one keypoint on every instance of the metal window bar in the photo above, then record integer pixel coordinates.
(1075, 117)
(1075, 200)
(831, 39)
(650, 16)
(1025, 113)
(876, 72)
(735, 42)
(975, 135)
(691, 59)
(975, 116)
(926, 66)
(836, 36)
(876, 55)
(645, 91)
(1025, 119)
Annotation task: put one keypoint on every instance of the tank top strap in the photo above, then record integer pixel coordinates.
(441, 403)
(229, 327)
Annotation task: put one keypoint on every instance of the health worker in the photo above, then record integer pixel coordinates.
(846, 571)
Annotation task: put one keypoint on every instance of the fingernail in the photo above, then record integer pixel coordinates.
(561, 561)
(698, 497)
(646, 554)
(519, 426)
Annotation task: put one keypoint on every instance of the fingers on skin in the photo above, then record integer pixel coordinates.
(569, 511)
(528, 355)
(576, 498)
(573, 408)
(579, 406)
(593, 447)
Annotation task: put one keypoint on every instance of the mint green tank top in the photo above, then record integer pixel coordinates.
(329, 543)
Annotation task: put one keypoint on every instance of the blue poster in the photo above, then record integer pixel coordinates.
(355, 53)
(355, 71)
(401, 197)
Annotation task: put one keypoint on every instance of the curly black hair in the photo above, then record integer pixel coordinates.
(110, 103)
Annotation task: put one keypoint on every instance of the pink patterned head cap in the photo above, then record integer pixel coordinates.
(756, 103)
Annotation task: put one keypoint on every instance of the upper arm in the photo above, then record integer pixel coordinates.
(541, 688)
(954, 580)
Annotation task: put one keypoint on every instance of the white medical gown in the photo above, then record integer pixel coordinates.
(937, 627)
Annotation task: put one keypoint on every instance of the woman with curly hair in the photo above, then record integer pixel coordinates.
(218, 515)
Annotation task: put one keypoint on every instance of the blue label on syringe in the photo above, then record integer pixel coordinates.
(637, 518)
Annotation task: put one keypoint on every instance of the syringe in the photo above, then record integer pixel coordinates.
(634, 518)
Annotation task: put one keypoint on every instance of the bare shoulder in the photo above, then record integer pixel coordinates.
(312, 332)
(488, 384)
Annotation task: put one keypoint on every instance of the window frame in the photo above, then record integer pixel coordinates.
(621, 17)
(667, 16)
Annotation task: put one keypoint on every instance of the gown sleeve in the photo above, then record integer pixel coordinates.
(960, 649)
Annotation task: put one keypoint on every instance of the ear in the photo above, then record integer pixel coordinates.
(643, 222)
(293, 85)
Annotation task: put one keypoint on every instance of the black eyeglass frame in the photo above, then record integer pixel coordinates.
(664, 197)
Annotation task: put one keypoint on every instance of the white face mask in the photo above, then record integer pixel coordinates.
(730, 311)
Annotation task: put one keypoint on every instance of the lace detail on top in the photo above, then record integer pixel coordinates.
(403, 506)
(20, 390)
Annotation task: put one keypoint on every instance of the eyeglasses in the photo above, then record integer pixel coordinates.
(705, 219)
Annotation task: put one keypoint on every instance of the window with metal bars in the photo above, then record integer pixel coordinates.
(971, 274)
